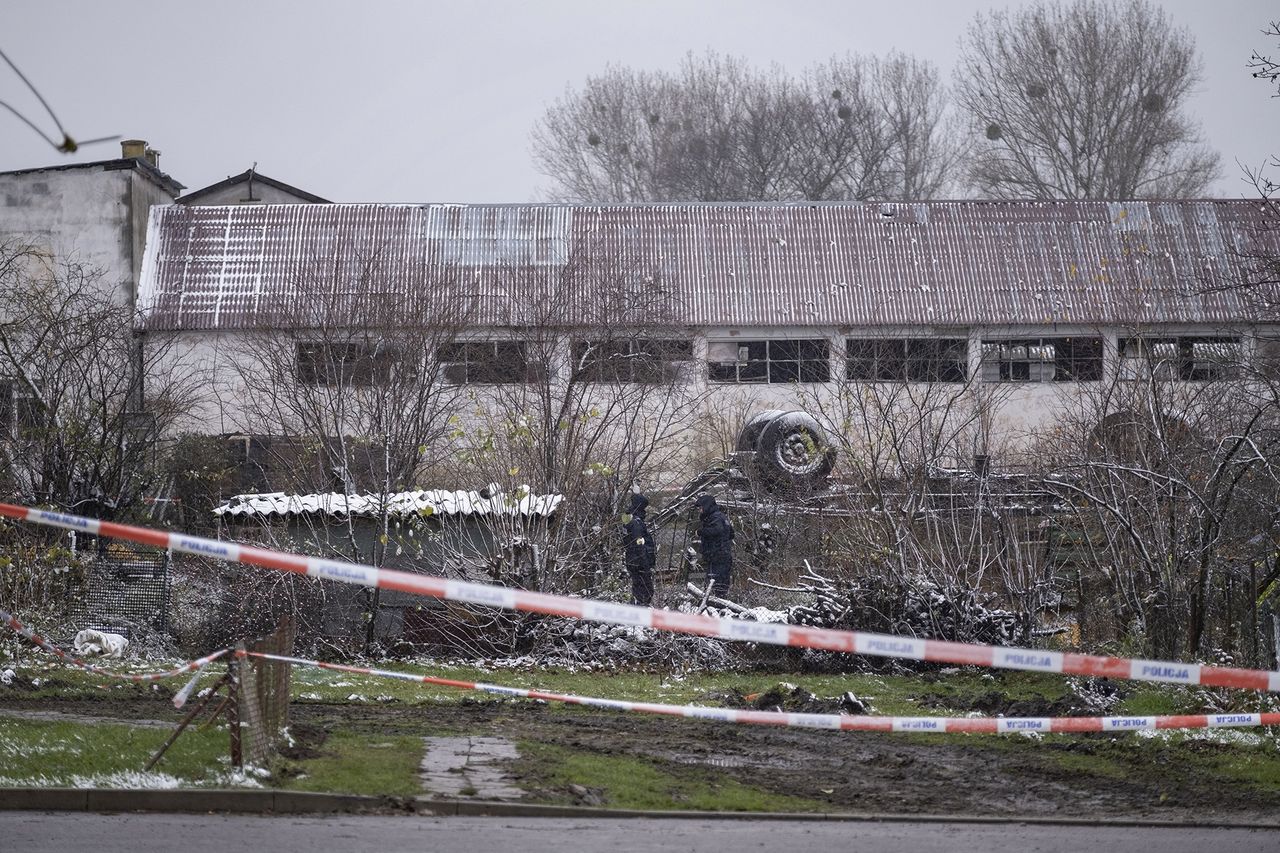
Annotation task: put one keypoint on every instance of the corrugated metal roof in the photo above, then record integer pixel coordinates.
(955, 262)
(400, 504)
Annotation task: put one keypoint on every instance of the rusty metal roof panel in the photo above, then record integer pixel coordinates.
(934, 263)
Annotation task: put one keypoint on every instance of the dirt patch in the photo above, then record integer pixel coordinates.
(1086, 776)
(305, 742)
(996, 704)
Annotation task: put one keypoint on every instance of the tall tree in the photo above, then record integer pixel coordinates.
(345, 395)
(1084, 100)
(590, 394)
(721, 130)
(84, 401)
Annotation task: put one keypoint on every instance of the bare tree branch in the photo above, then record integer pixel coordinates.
(720, 130)
(1083, 100)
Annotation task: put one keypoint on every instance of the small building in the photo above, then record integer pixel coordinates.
(483, 536)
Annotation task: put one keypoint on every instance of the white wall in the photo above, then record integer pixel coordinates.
(1022, 410)
(94, 216)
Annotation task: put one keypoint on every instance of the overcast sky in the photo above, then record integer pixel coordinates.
(433, 101)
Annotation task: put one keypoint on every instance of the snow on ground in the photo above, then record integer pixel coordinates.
(134, 779)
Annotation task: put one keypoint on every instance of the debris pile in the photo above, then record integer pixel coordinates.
(576, 644)
(785, 696)
(907, 605)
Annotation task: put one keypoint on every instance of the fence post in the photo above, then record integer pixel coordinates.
(233, 706)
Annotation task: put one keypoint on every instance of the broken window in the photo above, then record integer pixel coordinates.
(907, 360)
(1192, 359)
(801, 360)
(485, 363)
(336, 364)
(1067, 359)
(19, 408)
(631, 360)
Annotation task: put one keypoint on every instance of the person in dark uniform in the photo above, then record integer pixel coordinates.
(716, 534)
(640, 552)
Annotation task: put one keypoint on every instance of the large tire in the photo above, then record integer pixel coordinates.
(749, 437)
(794, 453)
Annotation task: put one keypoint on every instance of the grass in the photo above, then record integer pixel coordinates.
(950, 691)
(380, 763)
(83, 755)
(352, 763)
(1088, 762)
(632, 783)
(890, 694)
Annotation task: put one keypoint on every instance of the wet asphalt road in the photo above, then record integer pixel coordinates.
(65, 832)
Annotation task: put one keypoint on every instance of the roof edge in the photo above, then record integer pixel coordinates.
(243, 177)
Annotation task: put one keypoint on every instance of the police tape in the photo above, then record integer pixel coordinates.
(773, 633)
(838, 722)
(11, 622)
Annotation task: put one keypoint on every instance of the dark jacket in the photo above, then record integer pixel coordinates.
(639, 549)
(715, 531)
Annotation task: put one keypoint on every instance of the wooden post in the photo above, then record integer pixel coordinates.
(186, 721)
(233, 707)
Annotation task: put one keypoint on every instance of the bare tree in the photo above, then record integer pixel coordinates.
(1084, 100)
(923, 537)
(720, 130)
(1167, 480)
(585, 394)
(85, 399)
(344, 393)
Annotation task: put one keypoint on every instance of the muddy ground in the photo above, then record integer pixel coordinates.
(849, 771)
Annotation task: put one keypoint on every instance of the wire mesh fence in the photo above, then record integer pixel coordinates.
(264, 687)
(126, 587)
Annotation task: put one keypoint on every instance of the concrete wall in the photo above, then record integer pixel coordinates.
(1020, 410)
(96, 215)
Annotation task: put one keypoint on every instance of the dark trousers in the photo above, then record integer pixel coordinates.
(641, 585)
(719, 575)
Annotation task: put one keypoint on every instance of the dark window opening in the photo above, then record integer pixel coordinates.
(907, 360)
(361, 364)
(19, 408)
(633, 360)
(799, 360)
(1068, 359)
(485, 363)
(1192, 359)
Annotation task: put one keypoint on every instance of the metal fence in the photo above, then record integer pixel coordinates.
(126, 587)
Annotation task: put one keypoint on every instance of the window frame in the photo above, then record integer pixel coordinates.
(1180, 364)
(943, 360)
(1069, 358)
(361, 365)
(646, 361)
(772, 361)
(19, 409)
(505, 363)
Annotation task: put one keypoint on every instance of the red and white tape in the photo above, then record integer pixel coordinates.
(11, 622)
(854, 642)
(840, 722)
